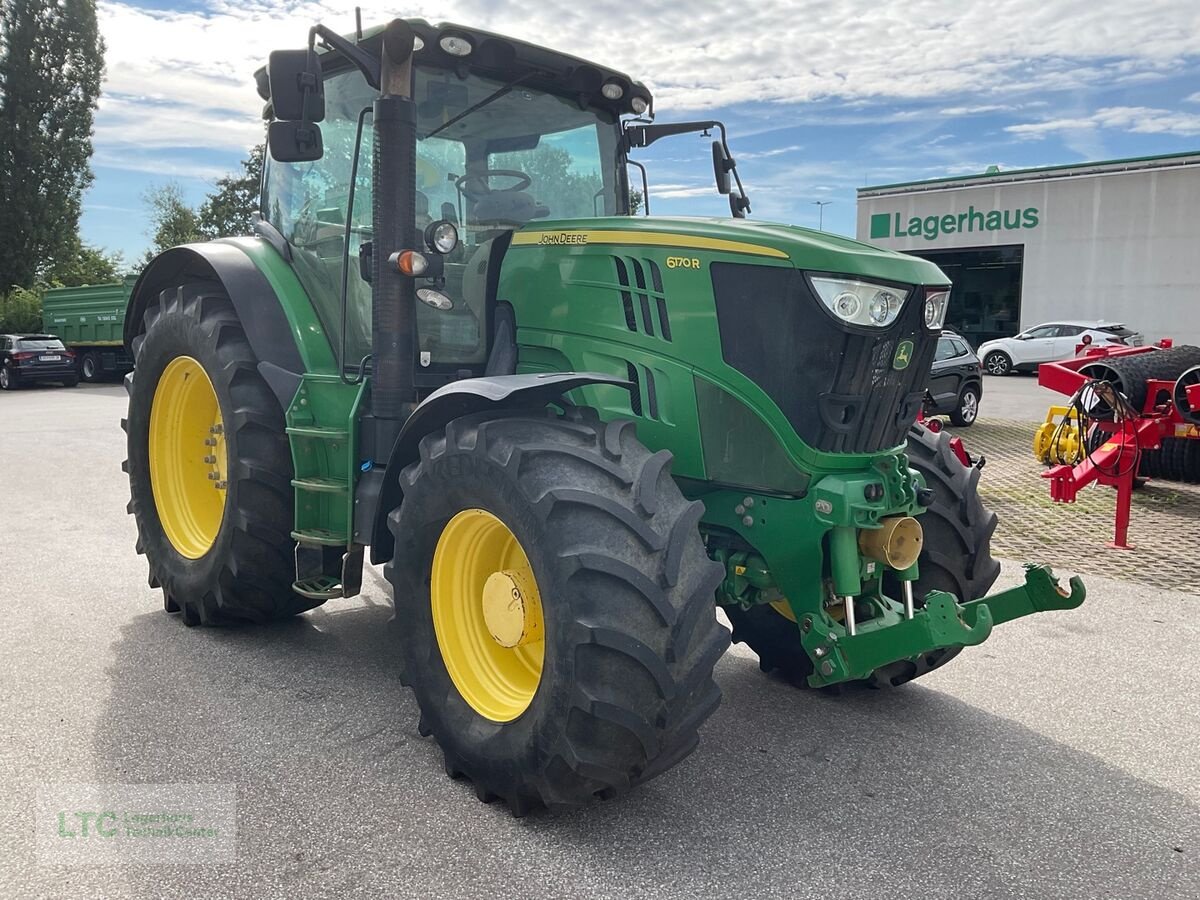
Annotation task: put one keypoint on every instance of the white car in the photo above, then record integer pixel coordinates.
(1050, 342)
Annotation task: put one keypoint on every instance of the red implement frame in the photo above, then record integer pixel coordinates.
(1115, 462)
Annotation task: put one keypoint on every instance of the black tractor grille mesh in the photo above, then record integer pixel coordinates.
(838, 388)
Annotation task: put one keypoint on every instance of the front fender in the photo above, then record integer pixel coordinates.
(275, 312)
(462, 398)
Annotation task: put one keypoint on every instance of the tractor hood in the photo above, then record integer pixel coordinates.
(817, 251)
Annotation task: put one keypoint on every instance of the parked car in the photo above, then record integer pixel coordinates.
(955, 381)
(28, 358)
(1046, 343)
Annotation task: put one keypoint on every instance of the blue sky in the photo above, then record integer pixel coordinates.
(819, 98)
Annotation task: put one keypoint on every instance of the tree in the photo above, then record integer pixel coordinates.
(86, 265)
(172, 221)
(226, 212)
(51, 64)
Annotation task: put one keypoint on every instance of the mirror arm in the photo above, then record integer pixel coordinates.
(365, 62)
(644, 135)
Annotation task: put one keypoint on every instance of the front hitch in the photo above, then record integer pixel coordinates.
(942, 623)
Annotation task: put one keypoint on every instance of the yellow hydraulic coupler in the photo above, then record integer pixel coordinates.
(1058, 440)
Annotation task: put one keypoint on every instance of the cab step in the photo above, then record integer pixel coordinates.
(322, 484)
(324, 572)
(320, 536)
(323, 587)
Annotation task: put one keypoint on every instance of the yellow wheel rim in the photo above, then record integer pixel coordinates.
(188, 464)
(487, 615)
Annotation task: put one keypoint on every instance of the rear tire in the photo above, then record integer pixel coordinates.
(8, 381)
(998, 363)
(246, 573)
(956, 558)
(627, 600)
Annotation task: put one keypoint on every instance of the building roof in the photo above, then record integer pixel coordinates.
(1068, 170)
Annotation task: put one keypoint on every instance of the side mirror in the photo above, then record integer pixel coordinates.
(295, 141)
(739, 205)
(722, 166)
(297, 91)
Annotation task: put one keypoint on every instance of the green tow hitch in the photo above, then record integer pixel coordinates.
(942, 623)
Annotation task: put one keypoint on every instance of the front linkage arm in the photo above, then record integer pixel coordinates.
(942, 623)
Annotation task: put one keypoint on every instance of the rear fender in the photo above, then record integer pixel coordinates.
(461, 398)
(275, 312)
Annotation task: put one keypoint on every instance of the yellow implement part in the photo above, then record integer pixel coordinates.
(1058, 441)
(188, 464)
(487, 615)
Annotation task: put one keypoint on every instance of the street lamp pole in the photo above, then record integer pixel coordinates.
(820, 205)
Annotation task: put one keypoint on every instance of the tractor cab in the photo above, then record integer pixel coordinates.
(506, 134)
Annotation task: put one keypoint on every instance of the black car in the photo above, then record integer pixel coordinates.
(29, 358)
(955, 381)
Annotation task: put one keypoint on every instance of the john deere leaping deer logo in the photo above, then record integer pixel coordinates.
(903, 355)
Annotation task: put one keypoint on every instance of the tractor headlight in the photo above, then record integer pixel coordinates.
(936, 303)
(455, 45)
(441, 236)
(860, 302)
(434, 298)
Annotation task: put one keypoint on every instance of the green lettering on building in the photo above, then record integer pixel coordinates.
(893, 225)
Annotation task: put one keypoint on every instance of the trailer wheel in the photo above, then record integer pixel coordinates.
(89, 366)
(209, 464)
(956, 558)
(556, 606)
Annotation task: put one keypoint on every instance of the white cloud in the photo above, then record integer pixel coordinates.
(1136, 119)
(184, 78)
(1192, 98)
(765, 154)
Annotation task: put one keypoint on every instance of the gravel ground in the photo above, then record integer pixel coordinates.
(1164, 521)
(1059, 759)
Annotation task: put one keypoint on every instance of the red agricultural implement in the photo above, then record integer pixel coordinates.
(1134, 412)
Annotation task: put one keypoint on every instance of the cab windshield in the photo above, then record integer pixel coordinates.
(492, 156)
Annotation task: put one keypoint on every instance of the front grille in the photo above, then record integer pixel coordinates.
(838, 388)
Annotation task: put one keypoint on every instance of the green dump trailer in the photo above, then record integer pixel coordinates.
(90, 320)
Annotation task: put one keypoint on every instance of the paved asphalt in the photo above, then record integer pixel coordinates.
(1059, 759)
(1016, 398)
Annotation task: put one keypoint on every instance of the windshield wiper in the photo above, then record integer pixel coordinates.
(496, 95)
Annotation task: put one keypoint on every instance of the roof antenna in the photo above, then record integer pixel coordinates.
(358, 23)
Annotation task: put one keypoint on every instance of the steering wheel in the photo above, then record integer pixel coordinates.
(475, 186)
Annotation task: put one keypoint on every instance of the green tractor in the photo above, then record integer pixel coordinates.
(569, 432)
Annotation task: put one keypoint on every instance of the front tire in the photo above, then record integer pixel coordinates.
(998, 363)
(591, 522)
(209, 464)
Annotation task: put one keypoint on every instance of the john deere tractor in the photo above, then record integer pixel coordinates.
(568, 432)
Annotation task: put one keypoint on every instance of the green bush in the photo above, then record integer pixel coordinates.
(21, 310)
